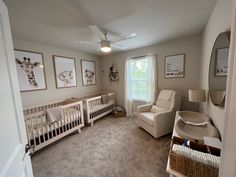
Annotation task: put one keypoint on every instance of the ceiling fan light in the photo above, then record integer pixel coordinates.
(105, 46)
(106, 49)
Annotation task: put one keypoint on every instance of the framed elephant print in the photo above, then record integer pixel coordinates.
(65, 72)
(30, 70)
(88, 72)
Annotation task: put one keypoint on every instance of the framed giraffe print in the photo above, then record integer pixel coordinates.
(65, 72)
(30, 70)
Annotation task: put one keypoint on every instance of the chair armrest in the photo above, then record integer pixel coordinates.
(144, 108)
(164, 122)
(163, 114)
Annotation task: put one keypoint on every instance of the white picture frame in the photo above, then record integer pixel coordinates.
(221, 64)
(88, 70)
(175, 66)
(65, 71)
(30, 70)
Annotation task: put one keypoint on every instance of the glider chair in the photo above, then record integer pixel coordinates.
(158, 119)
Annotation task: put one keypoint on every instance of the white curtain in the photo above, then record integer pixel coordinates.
(151, 83)
(128, 102)
(153, 60)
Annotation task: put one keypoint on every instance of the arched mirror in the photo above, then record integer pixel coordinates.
(218, 69)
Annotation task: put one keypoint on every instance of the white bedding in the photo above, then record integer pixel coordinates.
(38, 130)
(100, 106)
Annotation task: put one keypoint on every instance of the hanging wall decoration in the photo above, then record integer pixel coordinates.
(65, 72)
(174, 66)
(88, 72)
(30, 70)
(114, 74)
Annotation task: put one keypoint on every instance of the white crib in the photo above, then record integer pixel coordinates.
(41, 132)
(93, 107)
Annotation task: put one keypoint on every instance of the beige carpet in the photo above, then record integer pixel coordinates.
(110, 148)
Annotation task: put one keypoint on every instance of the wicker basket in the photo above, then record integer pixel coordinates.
(189, 167)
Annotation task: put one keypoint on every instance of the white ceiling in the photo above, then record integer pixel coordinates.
(65, 22)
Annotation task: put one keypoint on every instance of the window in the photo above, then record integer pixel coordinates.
(139, 78)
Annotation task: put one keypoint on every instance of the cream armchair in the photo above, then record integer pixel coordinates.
(158, 119)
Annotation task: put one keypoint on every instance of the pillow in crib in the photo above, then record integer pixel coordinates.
(105, 99)
(54, 114)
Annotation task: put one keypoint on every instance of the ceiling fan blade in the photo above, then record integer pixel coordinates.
(88, 42)
(97, 32)
(118, 46)
(123, 37)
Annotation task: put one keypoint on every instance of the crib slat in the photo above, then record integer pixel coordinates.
(74, 122)
(70, 117)
(75, 117)
(40, 128)
(60, 126)
(53, 129)
(38, 133)
(47, 131)
(66, 120)
(27, 131)
(44, 131)
(33, 133)
(70, 122)
(63, 125)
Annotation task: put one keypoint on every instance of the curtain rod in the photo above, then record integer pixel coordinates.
(140, 56)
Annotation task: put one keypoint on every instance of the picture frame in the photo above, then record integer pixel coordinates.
(30, 70)
(88, 70)
(221, 62)
(64, 71)
(175, 66)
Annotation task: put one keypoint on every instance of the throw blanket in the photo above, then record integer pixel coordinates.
(165, 94)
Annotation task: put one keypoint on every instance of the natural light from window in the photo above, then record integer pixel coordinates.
(139, 79)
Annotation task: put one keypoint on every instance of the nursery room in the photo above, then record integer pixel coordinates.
(107, 88)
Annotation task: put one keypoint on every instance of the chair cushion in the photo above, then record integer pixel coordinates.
(54, 114)
(147, 117)
(165, 94)
(156, 109)
(165, 99)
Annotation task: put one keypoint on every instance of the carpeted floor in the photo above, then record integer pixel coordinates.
(110, 148)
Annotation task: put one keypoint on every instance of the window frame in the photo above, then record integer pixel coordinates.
(146, 80)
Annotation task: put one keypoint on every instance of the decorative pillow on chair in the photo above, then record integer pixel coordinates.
(105, 99)
(54, 114)
(156, 109)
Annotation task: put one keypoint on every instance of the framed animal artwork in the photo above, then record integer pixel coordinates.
(88, 72)
(30, 70)
(65, 72)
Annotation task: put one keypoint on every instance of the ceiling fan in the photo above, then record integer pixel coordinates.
(106, 43)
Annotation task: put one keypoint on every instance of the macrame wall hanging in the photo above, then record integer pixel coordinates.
(114, 74)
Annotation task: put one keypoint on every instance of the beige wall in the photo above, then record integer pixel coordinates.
(191, 46)
(218, 22)
(53, 94)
